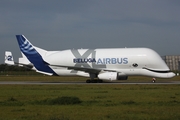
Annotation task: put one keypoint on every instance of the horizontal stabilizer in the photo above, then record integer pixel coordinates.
(50, 74)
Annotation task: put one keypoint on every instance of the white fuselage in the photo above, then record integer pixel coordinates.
(129, 61)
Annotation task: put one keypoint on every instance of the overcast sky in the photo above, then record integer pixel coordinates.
(67, 24)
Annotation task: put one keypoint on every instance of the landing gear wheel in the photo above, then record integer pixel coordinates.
(99, 81)
(88, 81)
(153, 80)
(94, 81)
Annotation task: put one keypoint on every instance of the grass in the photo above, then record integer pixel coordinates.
(90, 102)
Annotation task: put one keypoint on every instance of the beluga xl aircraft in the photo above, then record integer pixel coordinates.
(97, 64)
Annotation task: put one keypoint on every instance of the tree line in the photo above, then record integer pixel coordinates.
(5, 67)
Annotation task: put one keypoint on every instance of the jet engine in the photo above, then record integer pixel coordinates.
(112, 76)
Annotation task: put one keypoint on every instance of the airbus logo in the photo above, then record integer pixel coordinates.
(112, 61)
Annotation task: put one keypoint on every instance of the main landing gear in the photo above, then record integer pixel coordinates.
(94, 81)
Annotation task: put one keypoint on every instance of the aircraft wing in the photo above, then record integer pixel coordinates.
(88, 70)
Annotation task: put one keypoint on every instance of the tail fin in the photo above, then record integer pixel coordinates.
(9, 58)
(33, 55)
(24, 62)
(23, 59)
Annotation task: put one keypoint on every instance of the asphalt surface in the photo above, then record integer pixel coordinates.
(81, 83)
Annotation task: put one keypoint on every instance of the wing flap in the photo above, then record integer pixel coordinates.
(88, 70)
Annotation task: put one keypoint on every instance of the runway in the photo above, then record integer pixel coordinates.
(84, 83)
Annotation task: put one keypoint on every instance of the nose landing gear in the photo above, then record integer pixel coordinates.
(153, 80)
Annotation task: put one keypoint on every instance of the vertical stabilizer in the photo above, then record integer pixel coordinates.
(33, 55)
(24, 60)
(9, 58)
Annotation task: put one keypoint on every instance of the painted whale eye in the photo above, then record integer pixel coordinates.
(135, 65)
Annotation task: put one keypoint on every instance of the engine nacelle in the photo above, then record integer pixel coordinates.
(112, 76)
